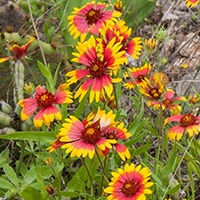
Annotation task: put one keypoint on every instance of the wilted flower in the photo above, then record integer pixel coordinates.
(19, 52)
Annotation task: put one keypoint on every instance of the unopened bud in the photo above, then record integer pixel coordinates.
(5, 107)
(5, 119)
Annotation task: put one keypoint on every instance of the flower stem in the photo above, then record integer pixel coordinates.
(89, 175)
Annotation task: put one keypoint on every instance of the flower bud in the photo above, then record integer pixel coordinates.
(5, 119)
(5, 107)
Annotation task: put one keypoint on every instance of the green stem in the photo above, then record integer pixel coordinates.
(102, 167)
(102, 178)
(89, 175)
(161, 138)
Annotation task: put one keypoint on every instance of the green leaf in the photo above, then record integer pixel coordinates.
(81, 106)
(30, 193)
(174, 189)
(10, 173)
(4, 157)
(39, 136)
(141, 149)
(29, 176)
(69, 194)
(136, 11)
(5, 184)
(44, 70)
(171, 163)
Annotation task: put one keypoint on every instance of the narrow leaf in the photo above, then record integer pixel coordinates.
(10, 173)
(40, 136)
(5, 184)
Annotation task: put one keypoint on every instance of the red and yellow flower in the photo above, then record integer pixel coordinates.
(44, 103)
(137, 74)
(19, 52)
(86, 137)
(169, 102)
(129, 183)
(192, 3)
(122, 34)
(100, 64)
(152, 89)
(150, 44)
(194, 99)
(118, 5)
(89, 19)
(118, 132)
(187, 123)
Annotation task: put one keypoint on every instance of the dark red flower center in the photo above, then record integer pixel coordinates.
(92, 133)
(97, 69)
(155, 93)
(110, 135)
(167, 102)
(45, 99)
(187, 120)
(140, 78)
(93, 16)
(130, 187)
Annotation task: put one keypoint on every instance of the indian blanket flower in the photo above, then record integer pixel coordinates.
(86, 137)
(194, 99)
(152, 88)
(187, 123)
(99, 67)
(122, 33)
(118, 5)
(43, 105)
(150, 44)
(192, 3)
(130, 183)
(169, 101)
(89, 19)
(137, 74)
(118, 132)
(19, 52)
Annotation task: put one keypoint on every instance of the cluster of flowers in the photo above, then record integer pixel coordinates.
(104, 47)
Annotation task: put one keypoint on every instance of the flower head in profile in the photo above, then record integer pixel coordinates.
(153, 87)
(194, 99)
(18, 51)
(192, 3)
(186, 123)
(43, 103)
(169, 101)
(137, 74)
(84, 138)
(129, 183)
(118, 132)
(110, 102)
(89, 19)
(150, 44)
(122, 33)
(100, 64)
(118, 5)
